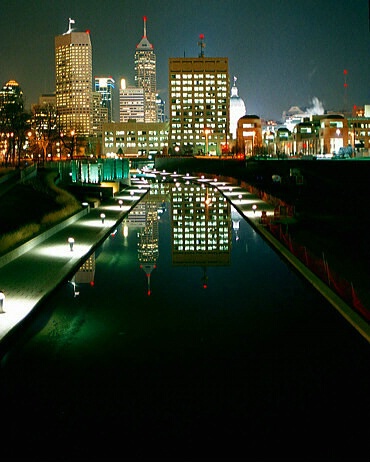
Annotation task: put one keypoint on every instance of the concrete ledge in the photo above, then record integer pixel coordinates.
(13, 254)
(346, 311)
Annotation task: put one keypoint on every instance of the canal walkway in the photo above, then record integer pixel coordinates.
(29, 278)
(31, 272)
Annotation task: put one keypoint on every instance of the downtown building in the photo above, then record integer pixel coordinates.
(145, 75)
(199, 104)
(131, 103)
(105, 87)
(73, 81)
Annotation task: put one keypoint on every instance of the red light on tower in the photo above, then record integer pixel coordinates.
(202, 45)
(345, 72)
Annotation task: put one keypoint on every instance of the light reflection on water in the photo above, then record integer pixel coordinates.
(186, 329)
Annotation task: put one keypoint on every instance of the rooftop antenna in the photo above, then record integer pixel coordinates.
(144, 19)
(202, 45)
(70, 22)
(345, 85)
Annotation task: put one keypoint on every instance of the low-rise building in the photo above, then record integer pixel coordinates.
(134, 139)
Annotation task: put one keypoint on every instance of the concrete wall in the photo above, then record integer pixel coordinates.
(13, 254)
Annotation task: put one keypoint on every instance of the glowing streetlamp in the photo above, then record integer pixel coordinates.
(71, 241)
(254, 207)
(102, 216)
(120, 202)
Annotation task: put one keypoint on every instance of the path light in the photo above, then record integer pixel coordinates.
(254, 207)
(71, 241)
(120, 203)
(2, 299)
(102, 216)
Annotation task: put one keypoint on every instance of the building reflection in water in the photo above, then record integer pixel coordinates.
(147, 214)
(84, 275)
(201, 227)
(201, 230)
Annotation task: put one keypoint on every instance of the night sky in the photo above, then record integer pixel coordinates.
(283, 52)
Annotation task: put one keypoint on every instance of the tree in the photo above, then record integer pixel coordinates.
(44, 125)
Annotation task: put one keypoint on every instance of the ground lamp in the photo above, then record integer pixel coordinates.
(71, 241)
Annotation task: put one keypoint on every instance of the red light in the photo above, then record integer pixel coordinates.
(92, 283)
(205, 286)
(88, 31)
(201, 36)
(345, 72)
(149, 292)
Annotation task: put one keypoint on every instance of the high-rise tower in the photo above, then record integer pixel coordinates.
(145, 75)
(199, 98)
(73, 81)
(105, 86)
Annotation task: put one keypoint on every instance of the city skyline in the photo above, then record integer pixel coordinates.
(283, 53)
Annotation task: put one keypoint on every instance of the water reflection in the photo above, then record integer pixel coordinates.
(201, 229)
(185, 367)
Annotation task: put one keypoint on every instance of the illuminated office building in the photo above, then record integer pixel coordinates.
(131, 103)
(73, 81)
(145, 75)
(105, 86)
(11, 93)
(199, 99)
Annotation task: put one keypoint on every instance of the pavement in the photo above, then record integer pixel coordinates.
(29, 278)
(29, 274)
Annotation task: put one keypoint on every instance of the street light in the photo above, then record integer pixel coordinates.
(120, 203)
(254, 207)
(102, 216)
(71, 241)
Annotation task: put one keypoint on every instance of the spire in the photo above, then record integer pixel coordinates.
(234, 89)
(144, 19)
(144, 43)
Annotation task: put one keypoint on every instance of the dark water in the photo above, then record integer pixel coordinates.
(254, 366)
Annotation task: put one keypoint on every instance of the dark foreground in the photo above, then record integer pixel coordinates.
(256, 367)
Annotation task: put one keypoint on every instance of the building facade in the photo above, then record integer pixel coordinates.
(73, 81)
(145, 75)
(131, 103)
(100, 114)
(199, 102)
(249, 135)
(134, 139)
(105, 86)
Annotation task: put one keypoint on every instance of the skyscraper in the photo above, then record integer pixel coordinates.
(131, 103)
(145, 75)
(105, 86)
(73, 81)
(199, 99)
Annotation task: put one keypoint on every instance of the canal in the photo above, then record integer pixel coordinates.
(185, 336)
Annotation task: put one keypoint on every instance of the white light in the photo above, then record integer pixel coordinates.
(71, 242)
